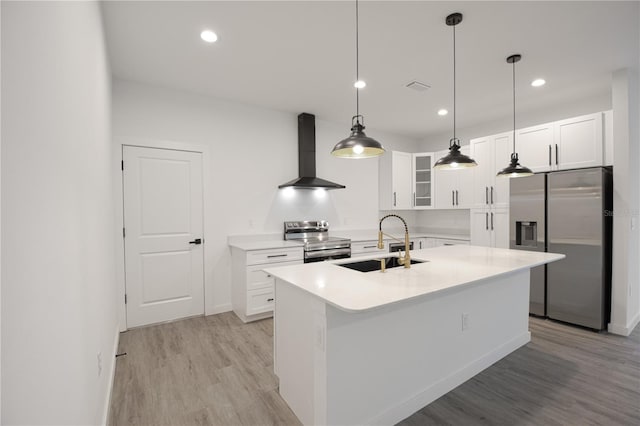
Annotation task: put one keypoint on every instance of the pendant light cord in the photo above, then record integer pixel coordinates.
(454, 83)
(514, 106)
(357, 69)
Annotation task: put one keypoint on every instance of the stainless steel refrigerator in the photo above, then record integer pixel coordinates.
(567, 212)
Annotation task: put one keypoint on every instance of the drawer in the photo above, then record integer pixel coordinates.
(260, 257)
(366, 247)
(259, 301)
(257, 278)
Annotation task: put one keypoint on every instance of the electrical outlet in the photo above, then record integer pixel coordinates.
(465, 322)
(99, 363)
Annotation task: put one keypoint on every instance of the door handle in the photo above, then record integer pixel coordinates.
(453, 198)
(486, 195)
(492, 221)
(196, 241)
(486, 221)
(270, 299)
(556, 154)
(549, 154)
(492, 195)
(394, 198)
(414, 199)
(457, 197)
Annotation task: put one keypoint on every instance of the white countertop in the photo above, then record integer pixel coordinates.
(264, 244)
(371, 235)
(448, 267)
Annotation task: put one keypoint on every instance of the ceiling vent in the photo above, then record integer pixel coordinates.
(417, 86)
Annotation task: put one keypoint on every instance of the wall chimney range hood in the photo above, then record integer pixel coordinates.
(307, 157)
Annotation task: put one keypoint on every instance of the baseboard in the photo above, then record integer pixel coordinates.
(624, 330)
(218, 309)
(112, 377)
(436, 390)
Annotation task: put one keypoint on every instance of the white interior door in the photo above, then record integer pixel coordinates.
(163, 215)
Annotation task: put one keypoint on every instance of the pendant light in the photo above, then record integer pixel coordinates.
(454, 159)
(357, 145)
(514, 169)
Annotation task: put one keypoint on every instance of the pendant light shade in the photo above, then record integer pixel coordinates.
(358, 144)
(514, 169)
(454, 159)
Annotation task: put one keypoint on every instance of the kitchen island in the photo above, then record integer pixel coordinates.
(372, 348)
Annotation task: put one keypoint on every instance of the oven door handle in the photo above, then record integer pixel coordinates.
(326, 253)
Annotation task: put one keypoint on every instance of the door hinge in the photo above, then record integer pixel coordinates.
(125, 298)
(122, 165)
(124, 234)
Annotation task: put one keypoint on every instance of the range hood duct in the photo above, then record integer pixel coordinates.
(307, 157)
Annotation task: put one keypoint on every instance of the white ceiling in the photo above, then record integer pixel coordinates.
(300, 56)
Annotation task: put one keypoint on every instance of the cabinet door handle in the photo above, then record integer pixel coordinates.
(556, 154)
(370, 247)
(486, 221)
(492, 221)
(457, 197)
(270, 299)
(271, 256)
(453, 198)
(492, 195)
(486, 195)
(394, 198)
(549, 154)
(414, 199)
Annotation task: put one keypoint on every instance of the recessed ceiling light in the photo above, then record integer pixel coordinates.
(538, 82)
(359, 84)
(443, 112)
(208, 36)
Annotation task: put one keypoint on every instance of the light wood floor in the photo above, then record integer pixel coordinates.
(218, 371)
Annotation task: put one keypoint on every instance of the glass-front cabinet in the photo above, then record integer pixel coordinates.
(423, 180)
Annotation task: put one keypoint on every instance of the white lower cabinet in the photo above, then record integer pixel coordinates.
(448, 242)
(490, 228)
(252, 293)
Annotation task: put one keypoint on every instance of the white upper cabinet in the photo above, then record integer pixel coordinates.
(534, 146)
(567, 144)
(423, 188)
(490, 228)
(395, 181)
(578, 142)
(492, 153)
(453, 187)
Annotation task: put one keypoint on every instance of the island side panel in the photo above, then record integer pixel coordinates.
(299, 352)
(387, 363)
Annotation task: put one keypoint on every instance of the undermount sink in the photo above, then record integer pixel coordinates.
(374, 264)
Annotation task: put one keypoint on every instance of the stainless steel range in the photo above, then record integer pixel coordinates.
(318, 245)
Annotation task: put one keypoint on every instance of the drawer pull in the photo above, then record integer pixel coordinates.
(268, 275)
(370, 247)
(270, 299)
(271, 256)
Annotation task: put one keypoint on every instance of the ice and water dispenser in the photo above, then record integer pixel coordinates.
(526, 234)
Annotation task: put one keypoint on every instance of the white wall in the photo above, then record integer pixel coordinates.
(625, 309)
(58, 309)
(251, 151)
